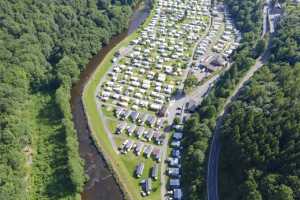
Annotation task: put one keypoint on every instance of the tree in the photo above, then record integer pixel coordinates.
(43, 47)
(283, 192)
(67, 70)
(259, 48)
(190, 82)
(176, 121)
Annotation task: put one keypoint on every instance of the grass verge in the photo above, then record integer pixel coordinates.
(120, 166)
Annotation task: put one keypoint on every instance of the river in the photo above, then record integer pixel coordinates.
(101, 184)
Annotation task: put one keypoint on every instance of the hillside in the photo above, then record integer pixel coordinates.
(199, 128)
(260, 135)
(44, 45)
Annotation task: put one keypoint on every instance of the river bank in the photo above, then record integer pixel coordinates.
(119, 170)
(101, 184)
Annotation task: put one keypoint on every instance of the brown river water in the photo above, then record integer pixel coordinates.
(101, 184)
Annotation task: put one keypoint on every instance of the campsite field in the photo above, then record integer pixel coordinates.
(141, 75)
(122, 172)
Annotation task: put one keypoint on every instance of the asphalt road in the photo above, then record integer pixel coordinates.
(213, 162)
(98, 103)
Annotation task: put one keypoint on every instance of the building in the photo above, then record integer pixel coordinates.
(176, 153)
(175, 144)
(149, 135)
(177, 194)
(134, 115)
(157, 154)
(162, 112)
(121, 127)
(142, 118)
(118, 112)
(174, 172)
(139, 148)
(213, 63)
(177, 136)
(128, 146)
(126, 114)
(174, 183)
(154, 172)
(148, 186)
(174, 162)
(131, 129)
(148, 151)
(155, 107)
(218, 61)
(151, 120)
(139, 132)
(139, 170)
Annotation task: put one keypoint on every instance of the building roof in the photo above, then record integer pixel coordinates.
(148, 185)
(151, 120)
(148, 150)
(134, 115)
(157, 153)
(154, 171)
(218, 61)
(174, 182)
(139, 169)
(140, 131)
(177, 135)
(121, 127)
(177, 194)
(131, 128)
(174, 171)
(175, 153)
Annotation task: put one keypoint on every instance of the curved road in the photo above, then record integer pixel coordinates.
(213, 161)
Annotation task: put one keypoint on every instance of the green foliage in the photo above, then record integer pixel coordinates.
(261, 131)
(285, 47)
(248, 17)
(176, 120)
(199, 128)
(190, 82)
(259, 48)
(66, 70)
(43, 47)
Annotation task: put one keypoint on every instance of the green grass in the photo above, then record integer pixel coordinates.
(122, 167)
(112, 125)
(108, 111)
(131, 161)
(98, 132)
(49, 180)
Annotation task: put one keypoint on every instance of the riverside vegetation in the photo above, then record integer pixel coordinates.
(43, 47)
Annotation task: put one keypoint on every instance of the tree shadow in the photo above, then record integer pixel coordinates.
(58, 183)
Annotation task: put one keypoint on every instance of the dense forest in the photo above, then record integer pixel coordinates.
(198, 129)
(43, 47)
(261, 133)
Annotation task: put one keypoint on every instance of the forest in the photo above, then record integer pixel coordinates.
(260, 135)
(199, 128)
(44, 45)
